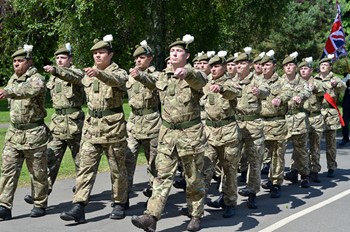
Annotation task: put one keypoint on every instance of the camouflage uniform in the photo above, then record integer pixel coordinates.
(331, 117)
(143, 123)
(26, 138)
(104, 130)
(68, 96)
(313, 107)
(298, 123)
(275, 127)
(181, 136)
(248, 116)
(223, 136)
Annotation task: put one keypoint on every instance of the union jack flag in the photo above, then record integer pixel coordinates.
(335, 43)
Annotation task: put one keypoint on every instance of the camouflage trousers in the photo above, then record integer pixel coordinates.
(300, 158)
(331, 149)
(277, 149)
(267, 157)
(227, 157)
(90, 157)
(195, 192)
(132, 151)
(12, 161)
(314, 151)
(55, 152)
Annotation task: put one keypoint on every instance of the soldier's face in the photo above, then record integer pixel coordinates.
(217, 70)
(178, 56)
(267, 69)
(325, 67)
(305, 72)
(258, 68)
(290, 68)
(231, 68)
(143, 62)
(63, 60)
(196, 65)
(21, 65)
(204, 66)
(102, 58)
(243, 68)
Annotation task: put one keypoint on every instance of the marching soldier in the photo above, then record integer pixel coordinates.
(313, 106)
(144, 120)
(104, 130)
(258, 72)
(222, 131)
(27, 136)
(181, 136)
(333, 86)
(248, 117)
(298, 123)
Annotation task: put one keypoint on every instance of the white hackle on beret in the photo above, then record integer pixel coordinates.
(236, 54)
(330, 56)
(108, 38)
(143, 43)
(210, 54)
(270, 53)
(222, 54)
(261, 55)
(188, 38)
(294, 55)
(200, 53)
(68, 47)
(28, 48)
(309, 59)
(247, 50)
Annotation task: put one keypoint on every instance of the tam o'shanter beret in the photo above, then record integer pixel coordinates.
(329, 59)
(219, 58)
(206, 56)
(259, 57)
(105, 43)
(186, 40)
(244, 56)
(306, 62)
(25, 52)
(291, 58)
(144, 49)
(66, 49)
(269, 56)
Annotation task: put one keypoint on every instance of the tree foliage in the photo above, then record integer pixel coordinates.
(284, 26)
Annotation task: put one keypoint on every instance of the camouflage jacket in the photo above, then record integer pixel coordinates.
(249, 104)
(218, 107)
(67, 92)
(297, 119)
(314, 102)
(330, 114)
(180, 98)
(104, 93)
(26, 97)
(143, 96)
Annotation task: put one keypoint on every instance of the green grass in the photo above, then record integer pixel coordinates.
(67, 165)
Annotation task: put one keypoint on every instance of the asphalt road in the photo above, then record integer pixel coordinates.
(323, 207)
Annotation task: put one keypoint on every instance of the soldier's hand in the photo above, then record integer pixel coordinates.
(255, 91)
(333, 83)
(215, 88)
(180, 73)
(134, 73)
(297, 99)
(276, 101)
(49, 69)
(90, 72)
(2, 94)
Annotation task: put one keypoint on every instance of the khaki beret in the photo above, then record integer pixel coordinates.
(186, 40)
(328, 59)
(306, 62)
(258, 58)
(66, 49)
(144, 49)
(219, 58)
(105, 43)
(24, 53)
(291, 58)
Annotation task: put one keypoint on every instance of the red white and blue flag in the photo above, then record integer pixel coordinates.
(335, 43)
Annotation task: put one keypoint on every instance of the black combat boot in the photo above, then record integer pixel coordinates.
(244, 192)
(267, 185)
(266, 169)
(118, 211)
(251, 201)
(229, 212)
(180, 184)
(218, 203)
(184, 212)
(243, 177)
(37, 212)
(194, 224)
(305, 182)
(314, 177)
(29, 199)
(292, 176)
(275, 191)
(77, 213)
(146, 222)
(147, 191)
(5, 213)
(330, 173)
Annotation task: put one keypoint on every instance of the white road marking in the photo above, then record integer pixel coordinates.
(290, 218)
